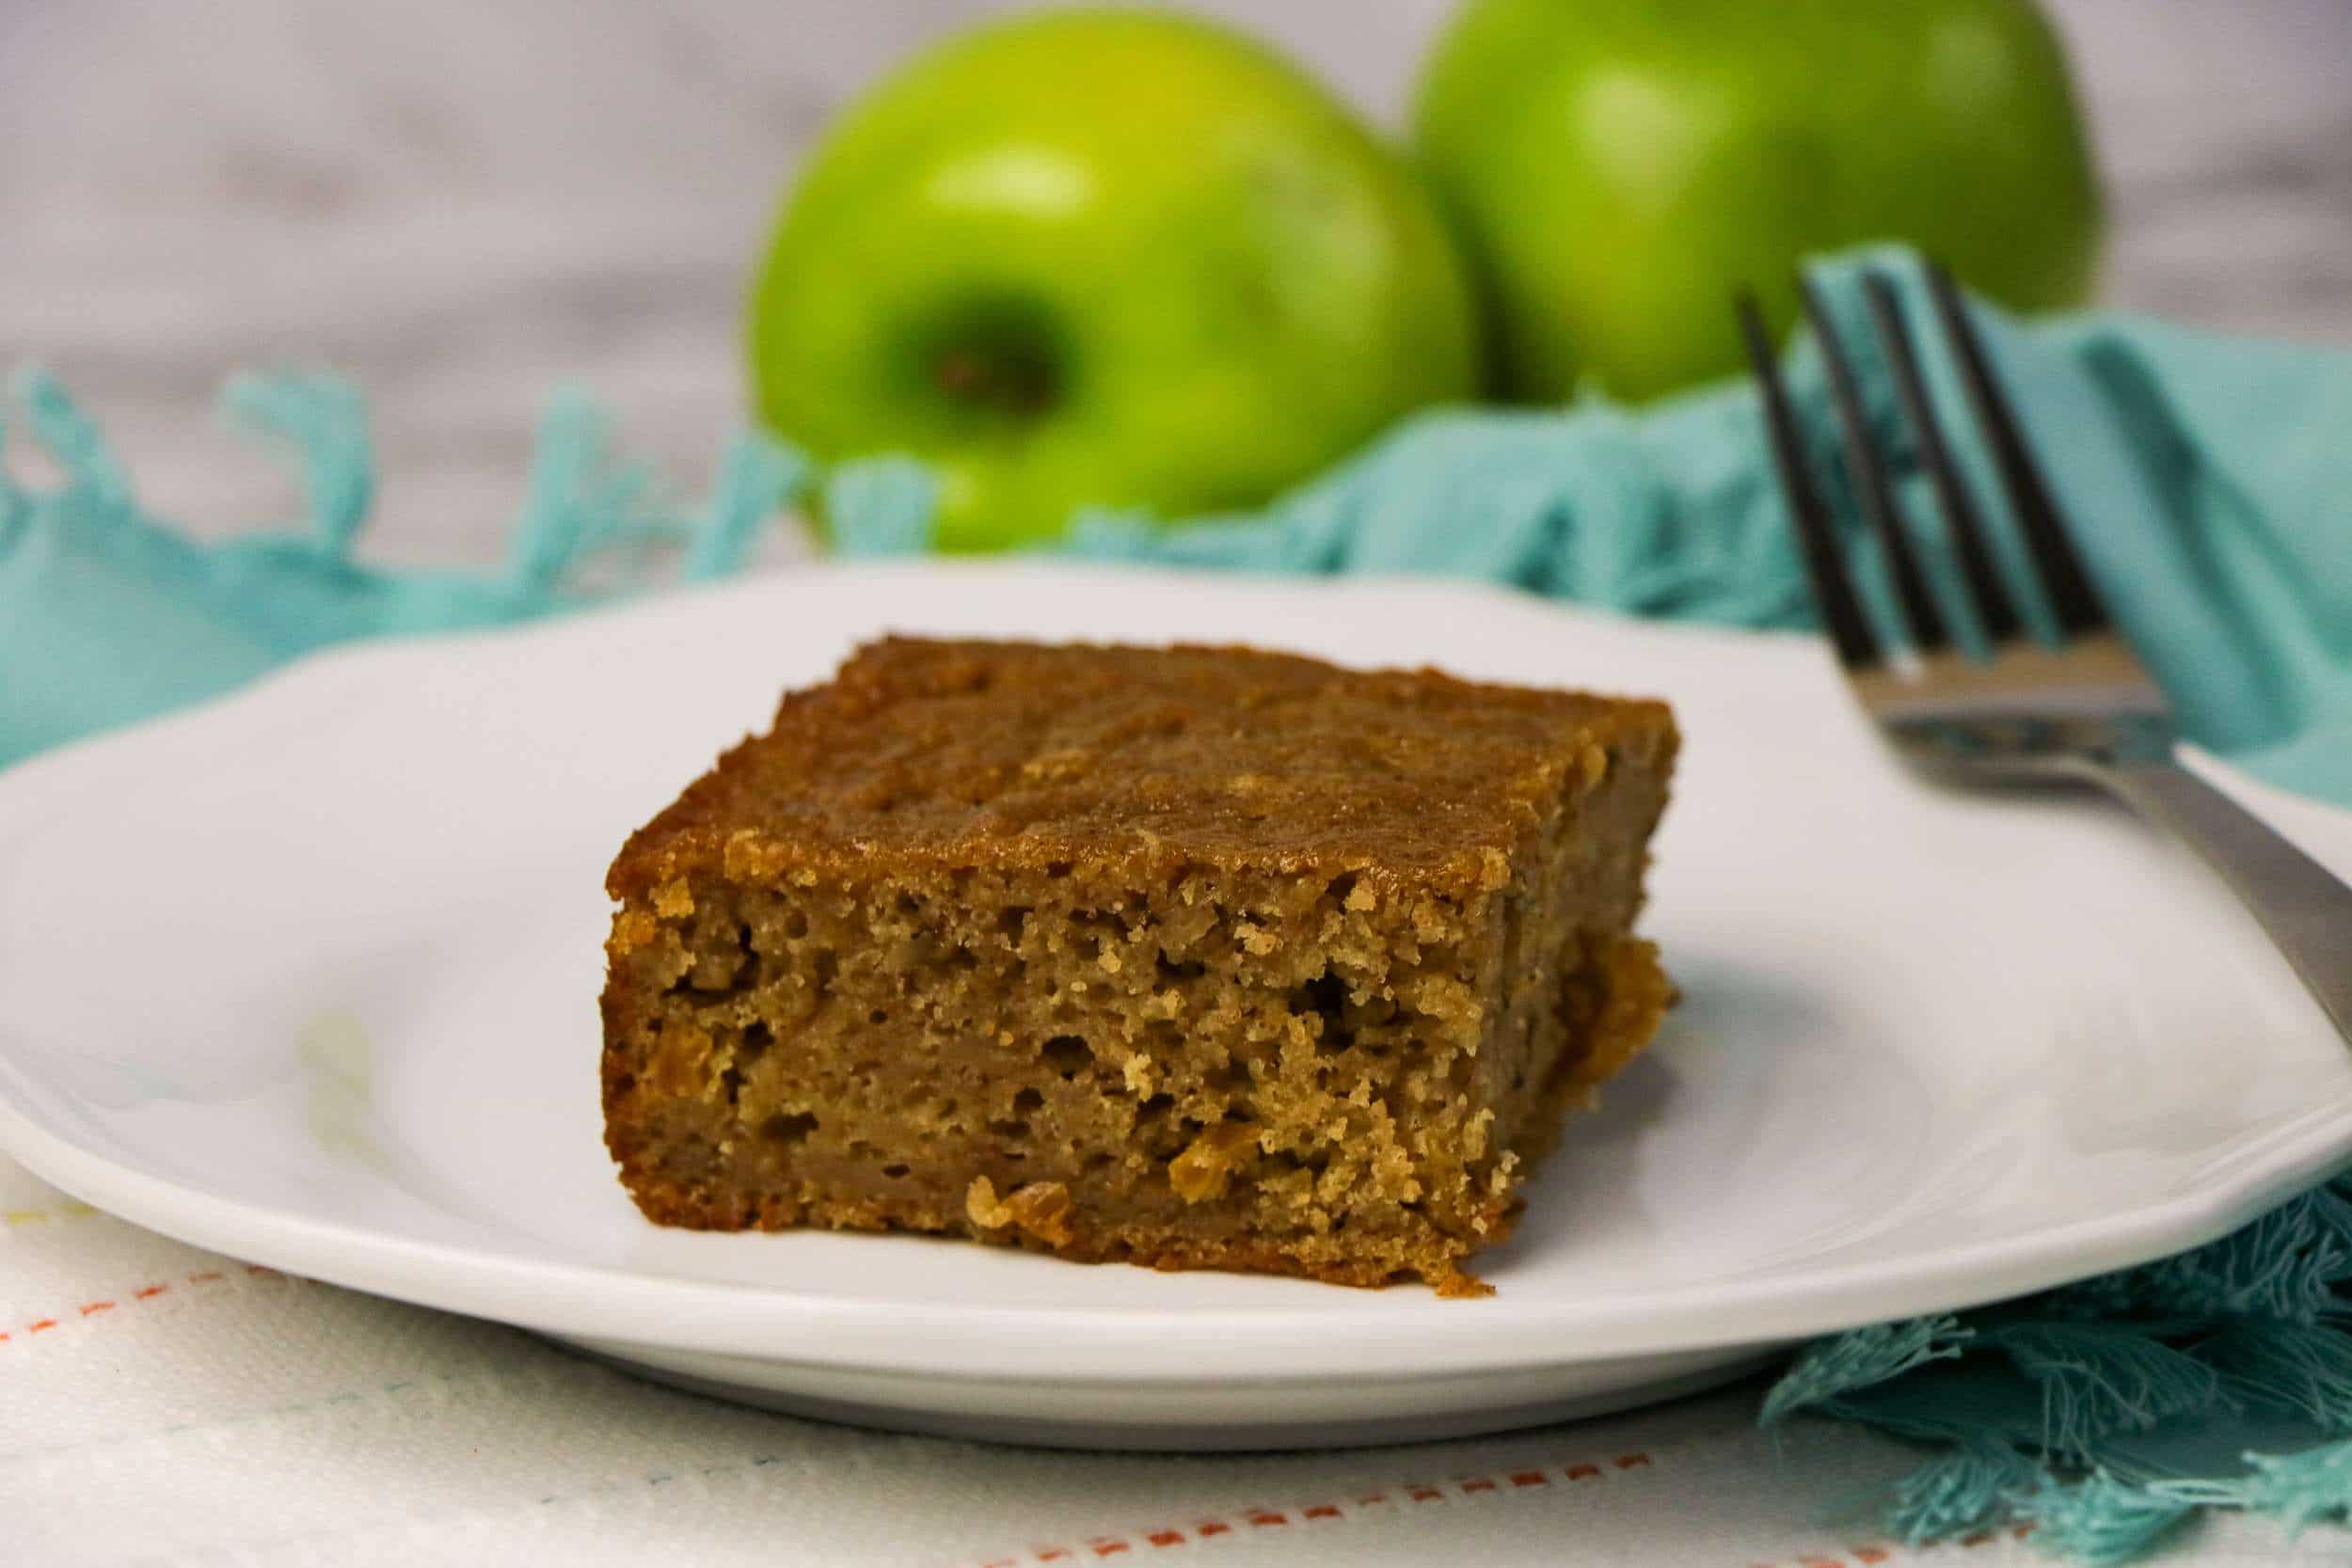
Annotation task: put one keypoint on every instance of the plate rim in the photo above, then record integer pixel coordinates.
(1303, 1344)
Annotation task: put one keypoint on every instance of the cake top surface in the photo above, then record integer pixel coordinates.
(1018, 755)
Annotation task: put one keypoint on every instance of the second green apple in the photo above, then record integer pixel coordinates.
(1619, 166)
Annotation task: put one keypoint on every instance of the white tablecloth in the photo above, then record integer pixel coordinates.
(160, 1404)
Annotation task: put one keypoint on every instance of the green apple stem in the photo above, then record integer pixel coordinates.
(1014, 378)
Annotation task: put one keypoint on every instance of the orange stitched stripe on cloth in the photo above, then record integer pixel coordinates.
(1266, 1518)
(145, 1293)
(1867, 1556)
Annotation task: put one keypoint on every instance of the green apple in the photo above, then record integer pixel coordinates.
(1619, 166)
(1103, 257)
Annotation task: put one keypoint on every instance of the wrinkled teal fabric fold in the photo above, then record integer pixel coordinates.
(2209, 480)
(108, 614)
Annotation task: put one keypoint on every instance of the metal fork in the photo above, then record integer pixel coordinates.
(2083, 711)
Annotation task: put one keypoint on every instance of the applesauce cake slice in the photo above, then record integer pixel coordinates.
(1199, 957)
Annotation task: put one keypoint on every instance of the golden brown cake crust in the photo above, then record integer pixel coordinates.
(1191, 958)
(1026, 755)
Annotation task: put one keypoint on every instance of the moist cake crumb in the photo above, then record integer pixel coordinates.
(1198, 958)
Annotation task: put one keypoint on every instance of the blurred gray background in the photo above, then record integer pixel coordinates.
(462, 204)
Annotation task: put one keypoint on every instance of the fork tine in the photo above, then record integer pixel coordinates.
(2073, 599)
(1924, 622)
(1817, 534)
(1994, 608)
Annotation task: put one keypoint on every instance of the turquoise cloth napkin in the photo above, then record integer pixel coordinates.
(2211, 482)
(108, 614)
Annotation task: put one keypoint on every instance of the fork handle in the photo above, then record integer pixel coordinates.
(2306, 909)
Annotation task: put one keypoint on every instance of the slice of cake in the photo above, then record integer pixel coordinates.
(1200, 958)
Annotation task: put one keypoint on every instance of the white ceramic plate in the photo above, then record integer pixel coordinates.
(308, 975)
